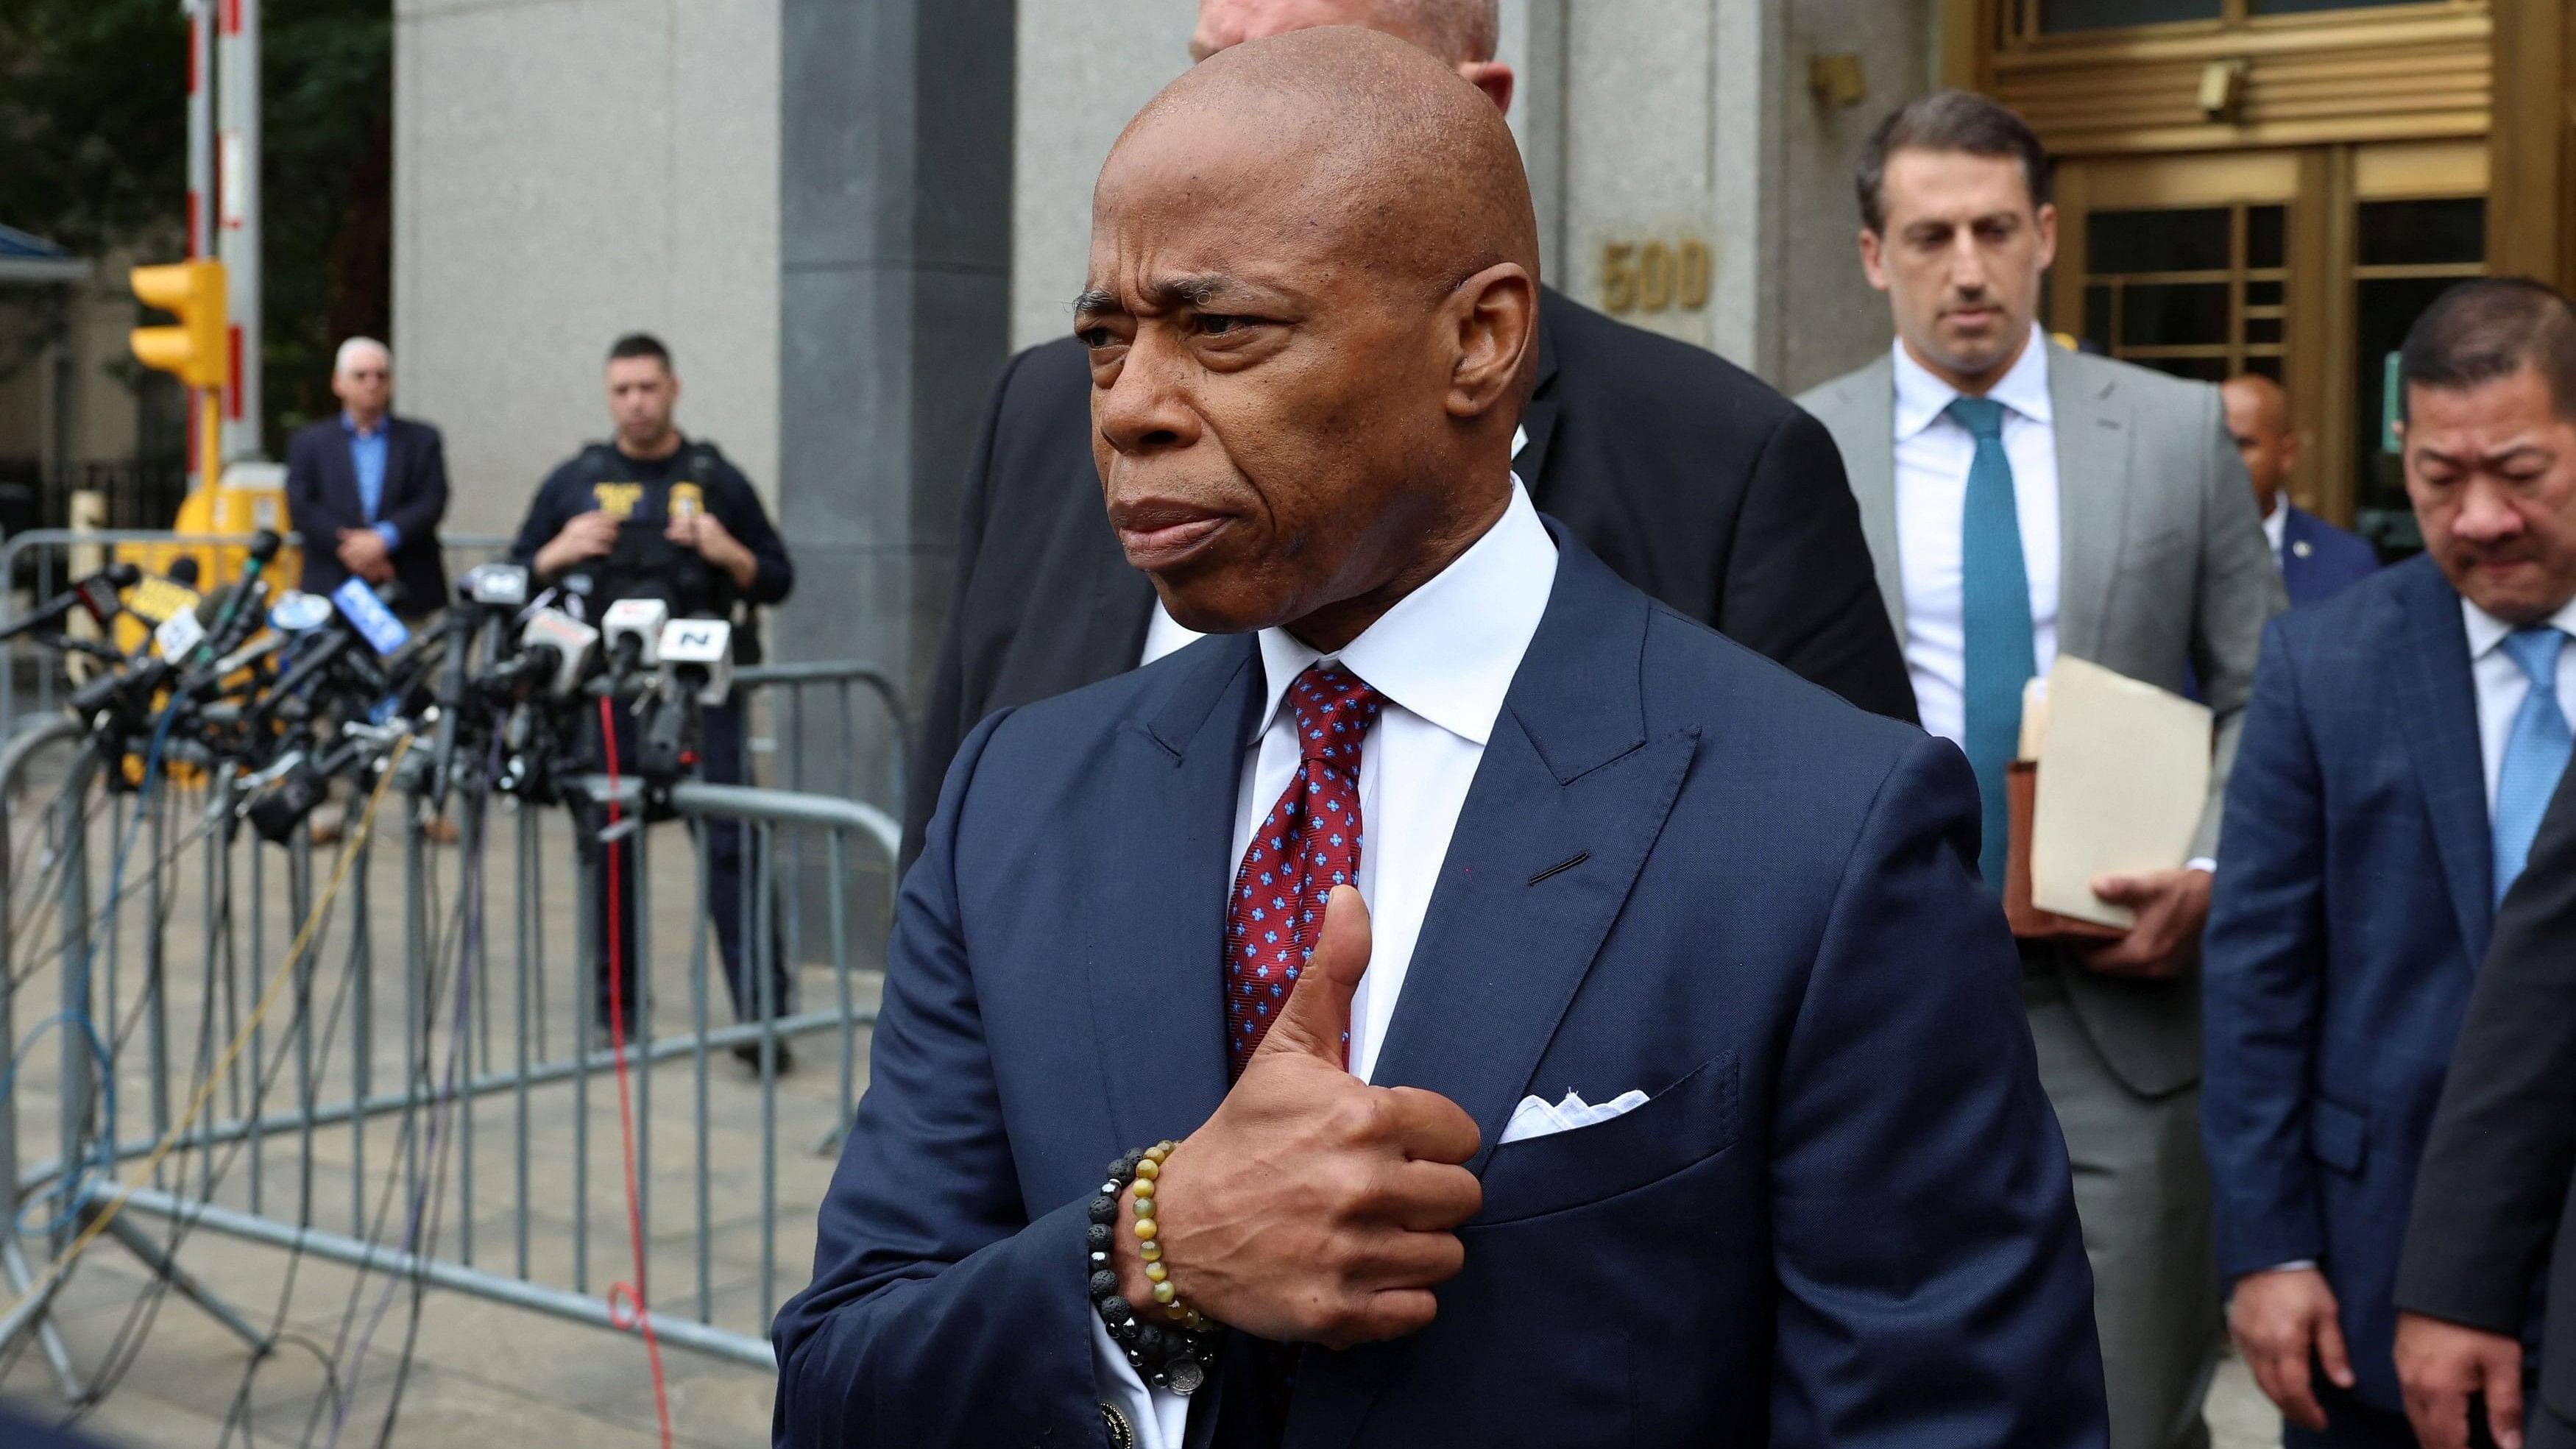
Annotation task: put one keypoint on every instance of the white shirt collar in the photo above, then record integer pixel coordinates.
(2276, 524)
(1448, 650)
(1921, 397)
(2486, 631)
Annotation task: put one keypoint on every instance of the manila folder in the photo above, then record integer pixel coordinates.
(2123, 779)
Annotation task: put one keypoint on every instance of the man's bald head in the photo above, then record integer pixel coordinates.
(2258, 417)
(1415, 164)
(1311, 309)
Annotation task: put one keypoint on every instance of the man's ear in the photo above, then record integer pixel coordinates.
(1494, 78)
(1495, 317)
(1873, 260)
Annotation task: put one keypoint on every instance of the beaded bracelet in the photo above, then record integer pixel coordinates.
(1171, 1356)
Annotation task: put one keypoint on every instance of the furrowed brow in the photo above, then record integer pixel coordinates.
(1193, 291)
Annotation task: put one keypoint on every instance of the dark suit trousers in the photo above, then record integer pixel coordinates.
(2352, 1424)
(721, 762)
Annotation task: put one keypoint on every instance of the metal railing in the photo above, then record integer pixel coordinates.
(393, 1057)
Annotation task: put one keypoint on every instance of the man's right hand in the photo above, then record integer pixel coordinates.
(2440, 1364)
(588, 535)
(1312, 1207)
(2279, 1318)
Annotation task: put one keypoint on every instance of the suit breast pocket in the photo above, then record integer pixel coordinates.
(1686, 1123)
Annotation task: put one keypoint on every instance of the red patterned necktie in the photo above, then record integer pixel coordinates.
(1307, 844)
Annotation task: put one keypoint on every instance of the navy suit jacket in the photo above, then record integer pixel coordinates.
(2318, 559)
(2351, 907)
(322, 498)
(1844, 1217)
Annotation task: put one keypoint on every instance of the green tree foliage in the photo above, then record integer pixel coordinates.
(93, 118)
(93, 123)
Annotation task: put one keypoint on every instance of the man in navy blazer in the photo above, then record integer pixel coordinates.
(366, 489)
(2402, 741)
(2316, 558)
(1663, 1081)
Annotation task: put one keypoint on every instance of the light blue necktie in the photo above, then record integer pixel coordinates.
(1994, 597)
(2535, 754)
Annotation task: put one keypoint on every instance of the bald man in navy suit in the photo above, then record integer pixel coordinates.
(2316, 558)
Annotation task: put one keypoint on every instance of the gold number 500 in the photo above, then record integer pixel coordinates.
(1654, 276)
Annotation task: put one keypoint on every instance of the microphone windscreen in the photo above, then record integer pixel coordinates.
(211, 607)
(183, 572)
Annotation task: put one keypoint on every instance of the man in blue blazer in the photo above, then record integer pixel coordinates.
(2403, 739)
(1663, 1080)
(367, 489)
(2316, 558)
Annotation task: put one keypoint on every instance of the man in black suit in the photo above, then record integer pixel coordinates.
(2493, 1191)
(1763, 543)
(366, 489)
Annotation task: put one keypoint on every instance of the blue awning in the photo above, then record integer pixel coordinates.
(25, 257)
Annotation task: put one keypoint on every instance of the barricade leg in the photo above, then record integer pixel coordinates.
(142, 1245)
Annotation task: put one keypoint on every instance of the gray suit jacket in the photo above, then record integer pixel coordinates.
(2164, 575)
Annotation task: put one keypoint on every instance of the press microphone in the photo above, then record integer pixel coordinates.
(486, 590)
(220, 635)
(696, 659)
(632, 630)
(95, 596)
(557, 649)
(183, 571)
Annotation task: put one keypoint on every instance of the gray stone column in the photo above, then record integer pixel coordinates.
(1701, 189)
(894, 305)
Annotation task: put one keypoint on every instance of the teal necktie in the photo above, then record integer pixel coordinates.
(2535, 753)
(1994, 598)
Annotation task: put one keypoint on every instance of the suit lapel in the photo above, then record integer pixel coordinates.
(341, 473)
(1871, 396)
(1566, 803)
(2295, 533)
(397, 464)
(1122, 610)
(1539, 419)
(2438, 702)
(1155, 936)
(2092, 488)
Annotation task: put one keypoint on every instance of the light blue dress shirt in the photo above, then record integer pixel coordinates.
(367, 459)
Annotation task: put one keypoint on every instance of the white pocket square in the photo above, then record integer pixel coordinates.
(1535, 1117)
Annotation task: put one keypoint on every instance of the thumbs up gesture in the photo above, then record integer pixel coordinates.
(1313, 1207)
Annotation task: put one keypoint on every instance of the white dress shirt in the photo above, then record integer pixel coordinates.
(1933, 451)
(1442, 658)
(2502, 684)
(2276, 525)
(1164, 634)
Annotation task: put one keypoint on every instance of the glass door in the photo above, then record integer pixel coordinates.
(2417, 226)
(2305, 265)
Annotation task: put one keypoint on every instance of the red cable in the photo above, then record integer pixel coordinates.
(633, 1292)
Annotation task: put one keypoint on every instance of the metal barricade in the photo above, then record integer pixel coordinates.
(391, 1056)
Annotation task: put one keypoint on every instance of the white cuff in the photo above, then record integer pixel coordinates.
(2201, 863)
(1160, 1417)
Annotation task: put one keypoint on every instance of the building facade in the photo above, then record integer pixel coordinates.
(844, 217)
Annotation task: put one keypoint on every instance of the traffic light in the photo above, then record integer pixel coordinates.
(195, 351)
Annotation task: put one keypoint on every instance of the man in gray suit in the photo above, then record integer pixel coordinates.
(2021, 501)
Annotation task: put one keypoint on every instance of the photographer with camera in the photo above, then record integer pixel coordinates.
(658, 515)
